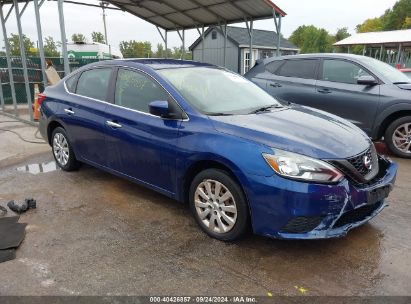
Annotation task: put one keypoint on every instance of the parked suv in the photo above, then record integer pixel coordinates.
(369, 93)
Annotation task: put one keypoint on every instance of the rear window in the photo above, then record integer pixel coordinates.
(305, 68)
(71, 83)
(273, 66)
(94, 83)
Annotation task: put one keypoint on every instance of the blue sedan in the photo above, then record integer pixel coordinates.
(203, 135)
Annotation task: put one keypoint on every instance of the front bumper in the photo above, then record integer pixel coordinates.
(288, 209)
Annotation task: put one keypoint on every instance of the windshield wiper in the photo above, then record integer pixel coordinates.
(402, 82)
(265, 109)
(220, 114)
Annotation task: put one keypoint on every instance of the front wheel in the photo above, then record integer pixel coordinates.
(398, 137)
(219, 205)
(62, 150)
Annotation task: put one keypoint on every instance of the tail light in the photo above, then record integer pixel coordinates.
(41, 98)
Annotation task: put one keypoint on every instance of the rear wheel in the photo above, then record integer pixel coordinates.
(62, 151)
(219, 205)
(398, 137)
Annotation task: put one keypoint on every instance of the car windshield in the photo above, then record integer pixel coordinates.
(215, 91)
(390, 73)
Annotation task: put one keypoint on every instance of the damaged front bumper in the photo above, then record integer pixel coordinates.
(293, 210)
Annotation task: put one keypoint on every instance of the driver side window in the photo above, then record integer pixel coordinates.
(342, 71)
(136, 91)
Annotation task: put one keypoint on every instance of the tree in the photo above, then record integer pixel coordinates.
(50, 47)
(341, 34)
(14, 42)
(396, 18)
(136, 49)
(312, 40)
(98, 37)
(370, 25)
(78, 38)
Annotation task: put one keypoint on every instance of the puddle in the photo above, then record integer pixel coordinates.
(39, 168)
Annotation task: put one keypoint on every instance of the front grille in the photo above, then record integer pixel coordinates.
(356, 215)
(358, 162)
(354, 168)
(301, 224)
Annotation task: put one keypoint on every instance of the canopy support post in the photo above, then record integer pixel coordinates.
(23, 59)
(8, 59)
(381, 50)
(224, 30)
(164, 37)
(40, 39)
(277, 24)
(399, 53)
(63, 37)
(182, 37)
(201, 33)
(250, 34)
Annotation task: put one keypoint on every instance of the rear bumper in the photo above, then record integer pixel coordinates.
(43, 125)
(288, 209)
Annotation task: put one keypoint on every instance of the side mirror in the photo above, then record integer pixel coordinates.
(159, 108)
(367, 80)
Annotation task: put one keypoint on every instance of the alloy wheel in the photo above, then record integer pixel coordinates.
(61, 149)
(215, 206)
(401, 138)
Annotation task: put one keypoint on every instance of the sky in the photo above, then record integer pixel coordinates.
(328, 14)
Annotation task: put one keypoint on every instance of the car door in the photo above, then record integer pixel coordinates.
(140, 145)
(339, 93)
(293, 80)
(84, 113)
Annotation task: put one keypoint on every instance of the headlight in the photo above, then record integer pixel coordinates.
(296, 166)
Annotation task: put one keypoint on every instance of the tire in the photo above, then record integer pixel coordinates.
(401, 128)
(224, 217)
(62, 150)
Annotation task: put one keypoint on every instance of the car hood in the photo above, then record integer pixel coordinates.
(298, 129)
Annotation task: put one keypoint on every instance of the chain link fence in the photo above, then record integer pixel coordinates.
(35, 78)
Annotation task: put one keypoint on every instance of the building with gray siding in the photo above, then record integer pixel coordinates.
(238, 47)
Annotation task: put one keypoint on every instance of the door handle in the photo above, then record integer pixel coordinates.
(113, 124)
(69, 111)
(276, 85)
(324, 91)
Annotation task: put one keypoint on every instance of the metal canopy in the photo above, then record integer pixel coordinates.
(190, 14)
(378, 38)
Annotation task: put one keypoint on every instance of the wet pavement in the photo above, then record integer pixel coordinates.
(96, 234)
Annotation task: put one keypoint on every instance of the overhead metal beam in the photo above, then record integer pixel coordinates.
(87, 4)
(23, 60)
(179, 11)
(40, 41)
(138, 3)
(8, 59)
(233, 3)
(41, 3)
(23, 9)
(205, 7)
(63, 37)
(9, 12)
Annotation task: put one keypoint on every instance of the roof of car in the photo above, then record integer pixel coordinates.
(157, 63)
(318, 55)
